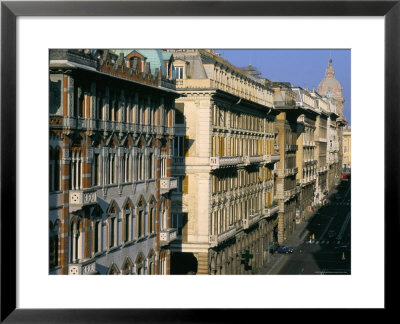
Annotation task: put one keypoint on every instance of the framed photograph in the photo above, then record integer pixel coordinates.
(29, 29)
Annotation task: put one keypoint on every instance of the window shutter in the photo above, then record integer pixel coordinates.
(185, 184)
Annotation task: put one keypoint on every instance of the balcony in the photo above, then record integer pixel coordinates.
(275, 158)
(166, 83)
(323, 168)
(289, 193)
(214, 240)
(268, 212)
(178, 160)
(304, 180)
(167, 236)
(87, 267)
(309, 143)
(168, 184)
(291, 171)
(193, 84)
(268, 183)
(81, 198)
(271, 158)
(250, 159)
(290, 147)
(217, 162)
(254, 217)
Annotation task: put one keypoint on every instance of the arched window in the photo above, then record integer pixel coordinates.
(163, 262)
(76, 239)
(127, 267)
(140, 267)
(140, 216)
(139, 163)
(53, 244)
(112, 223)
(152, 216)
(97, 230)
(112, 270)
(163, 217)
(76, 170)
(151, 262)
(127, 222)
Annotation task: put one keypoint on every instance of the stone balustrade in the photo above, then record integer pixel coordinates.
(224, 161)
(87, 267)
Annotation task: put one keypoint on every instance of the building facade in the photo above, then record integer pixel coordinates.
(330, 88)
(306, 161)
(111, 129)
(226, 153)
(178, 162)
(347, 147)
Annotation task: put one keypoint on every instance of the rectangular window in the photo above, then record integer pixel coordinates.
(97, 236)
(177, 222)
(151, 163)
(96, 171)
(179, 187)
(179, 113)
(178, 146)
(179, 72)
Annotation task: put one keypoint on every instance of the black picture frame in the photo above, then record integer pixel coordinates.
(10, 10)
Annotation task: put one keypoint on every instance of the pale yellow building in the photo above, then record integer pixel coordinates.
(347, 148)
(321, 150)
(305, 158)
(330, 87)
(226, 151)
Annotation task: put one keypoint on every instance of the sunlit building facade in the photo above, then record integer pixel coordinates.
(347, 147)
(306, 154)
(226, 153)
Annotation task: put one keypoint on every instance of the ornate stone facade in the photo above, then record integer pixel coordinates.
(111, 131)
(178, 162)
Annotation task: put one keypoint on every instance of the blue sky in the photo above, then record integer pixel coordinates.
(305, 67)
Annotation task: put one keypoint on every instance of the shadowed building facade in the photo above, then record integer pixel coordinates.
(111, 128)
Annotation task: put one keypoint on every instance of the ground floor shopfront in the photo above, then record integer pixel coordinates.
(230, 256)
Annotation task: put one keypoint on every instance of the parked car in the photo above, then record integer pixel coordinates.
(289, 249)
(283, 249)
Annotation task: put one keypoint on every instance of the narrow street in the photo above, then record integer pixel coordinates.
(321, 244)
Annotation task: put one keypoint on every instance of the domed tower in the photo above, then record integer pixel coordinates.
(331, 88)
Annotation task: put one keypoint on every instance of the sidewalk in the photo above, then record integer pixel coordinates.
(295, 239)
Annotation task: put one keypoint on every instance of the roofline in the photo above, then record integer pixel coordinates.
(77, 66)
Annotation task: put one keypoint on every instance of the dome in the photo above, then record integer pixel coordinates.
(331, 87)
(329, 83)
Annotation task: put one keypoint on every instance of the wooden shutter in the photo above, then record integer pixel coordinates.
(185, 184)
